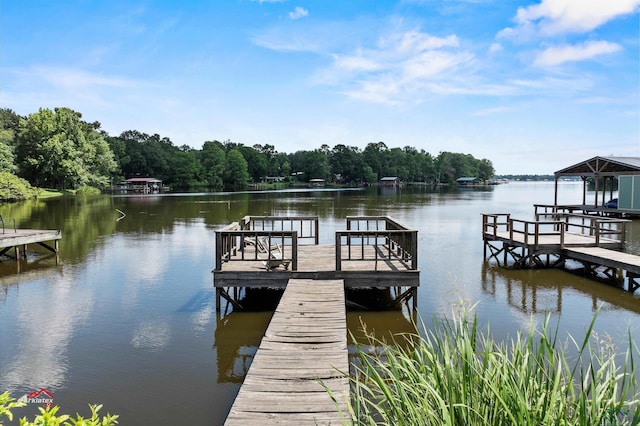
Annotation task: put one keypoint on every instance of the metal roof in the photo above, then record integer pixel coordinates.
(603, 166)
(147, 179)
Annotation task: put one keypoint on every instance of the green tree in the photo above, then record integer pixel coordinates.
(57, 149)
(13, 188)
(485, 169)
(212, 160)
(6, 152)
(9, 122)
(374, 157)
(316, 165)
(236, 172)
(185, 168)
(346, 162)
(256, 161)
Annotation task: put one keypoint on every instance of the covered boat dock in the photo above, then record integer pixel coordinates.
(604, 172)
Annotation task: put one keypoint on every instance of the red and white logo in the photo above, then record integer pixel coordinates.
(42, 396)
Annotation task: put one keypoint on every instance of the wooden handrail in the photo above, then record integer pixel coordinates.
(231, 241)
(400, 243)
(277, 223)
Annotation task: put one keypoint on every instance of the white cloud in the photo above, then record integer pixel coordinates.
(298, 12)
(492, 111)
(398, 67)
(356, 63)
(560, 54)
(495, 48)
(550, 17)
(77, 78)
(416, 41)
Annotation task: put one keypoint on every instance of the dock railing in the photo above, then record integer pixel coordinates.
(4, 230)
(385, 234)
(494, 223)
(231, 242)
(307, 226)
(265, 232)
(603, 229)
(530, 232)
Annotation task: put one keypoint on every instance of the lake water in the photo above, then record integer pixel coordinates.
(127, 318)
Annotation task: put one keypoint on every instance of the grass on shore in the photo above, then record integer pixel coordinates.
(458, 374)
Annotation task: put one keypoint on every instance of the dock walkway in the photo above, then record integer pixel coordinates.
(303, 350)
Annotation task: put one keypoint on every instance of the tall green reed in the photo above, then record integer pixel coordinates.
(456, 374)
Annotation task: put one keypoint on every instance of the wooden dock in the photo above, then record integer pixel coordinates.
(609, 262)
(595, 242)
(372, 252)
(18, 239)
(304, 349)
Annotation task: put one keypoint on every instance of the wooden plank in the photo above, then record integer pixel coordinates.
(604, 257)
(298, 354)
(27, 236)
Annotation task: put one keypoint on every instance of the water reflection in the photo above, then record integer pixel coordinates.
(128, 316)
(151, 334)
(238, 336)
(236, 340)
(542, 291)
(45, 324)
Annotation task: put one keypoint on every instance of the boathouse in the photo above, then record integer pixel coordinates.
(603, 171)
(390, 182)
(467, 181)
(145, 185)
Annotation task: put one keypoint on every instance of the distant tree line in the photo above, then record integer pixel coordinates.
(526, 177)
(57, 149)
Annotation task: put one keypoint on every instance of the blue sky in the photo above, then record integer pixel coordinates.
(534, 86)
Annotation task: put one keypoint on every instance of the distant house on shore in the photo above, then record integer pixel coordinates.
(390, 182)
(316, 182)
(465, 181)
(145, 185)
(273, 179)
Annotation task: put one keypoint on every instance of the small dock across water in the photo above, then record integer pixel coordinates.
(18, 239)
(595, 242)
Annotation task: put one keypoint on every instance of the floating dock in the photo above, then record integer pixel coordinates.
(299, 374)
(595, 242)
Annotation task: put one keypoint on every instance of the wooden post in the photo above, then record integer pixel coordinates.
(294, 249)
(414, 250)
(317, 229)
(218, 247)
(338, 252)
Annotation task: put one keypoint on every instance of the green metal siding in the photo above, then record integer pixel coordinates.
(629, 192)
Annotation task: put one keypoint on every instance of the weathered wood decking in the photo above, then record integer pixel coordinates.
(265, 251)
(596, 244)
(303, 350)
(20, 238)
